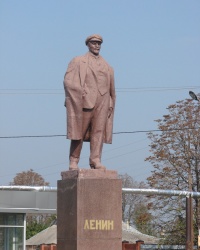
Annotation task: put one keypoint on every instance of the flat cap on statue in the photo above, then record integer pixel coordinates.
(94, 37)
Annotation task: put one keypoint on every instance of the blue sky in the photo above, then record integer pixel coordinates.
(153, 46)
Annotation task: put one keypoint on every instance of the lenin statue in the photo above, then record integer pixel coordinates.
(90, 101)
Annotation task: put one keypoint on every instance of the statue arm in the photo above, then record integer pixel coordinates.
(112, 92)
(112, 88)
(70, 79)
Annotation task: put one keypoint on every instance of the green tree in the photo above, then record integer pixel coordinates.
(175, 156)
(143, 219)
(35, 226)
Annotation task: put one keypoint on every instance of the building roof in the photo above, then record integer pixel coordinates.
(49, 236)
(132, 235)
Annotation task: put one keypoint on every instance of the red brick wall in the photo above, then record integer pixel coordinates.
(48, 247)
(131, 246)
(128, 246)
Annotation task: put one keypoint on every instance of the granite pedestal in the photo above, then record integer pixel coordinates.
(89, 210)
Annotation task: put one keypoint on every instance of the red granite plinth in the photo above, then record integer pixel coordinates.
(89, 210)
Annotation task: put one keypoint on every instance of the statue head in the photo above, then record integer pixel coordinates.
(94, 43)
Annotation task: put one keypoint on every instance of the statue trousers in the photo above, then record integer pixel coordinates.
(95, 118)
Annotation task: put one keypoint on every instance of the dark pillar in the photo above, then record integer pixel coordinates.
(138, 244)
(189, 224)
(89, 210)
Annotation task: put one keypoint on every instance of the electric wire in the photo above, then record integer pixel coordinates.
(115, 133)
(121, 90)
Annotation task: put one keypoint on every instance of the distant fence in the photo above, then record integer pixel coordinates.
(139, 245)
(164, 247)
(48, 247)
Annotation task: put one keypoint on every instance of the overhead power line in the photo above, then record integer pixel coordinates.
(121, 90)
(115, 133)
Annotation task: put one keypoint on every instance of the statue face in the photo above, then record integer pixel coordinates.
(94, 47)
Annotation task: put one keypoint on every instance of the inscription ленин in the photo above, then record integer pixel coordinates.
(99, 225)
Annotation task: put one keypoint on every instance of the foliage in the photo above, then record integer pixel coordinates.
(38, 223)
(143, 219)
(29, 178)
(175, 156)
(175, 233)
(34, 228)
(135, 207)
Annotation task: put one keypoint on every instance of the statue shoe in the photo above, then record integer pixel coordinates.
(97, 165)
(73, 165)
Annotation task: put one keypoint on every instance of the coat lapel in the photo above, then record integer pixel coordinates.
(83, 68)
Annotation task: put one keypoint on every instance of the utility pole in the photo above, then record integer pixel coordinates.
(189, 207)
(189, 215)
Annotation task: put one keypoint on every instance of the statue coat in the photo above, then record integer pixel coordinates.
(74, 85)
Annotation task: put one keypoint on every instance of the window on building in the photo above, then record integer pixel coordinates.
(12, 231)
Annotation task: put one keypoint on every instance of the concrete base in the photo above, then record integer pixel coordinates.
(89, 210)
